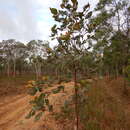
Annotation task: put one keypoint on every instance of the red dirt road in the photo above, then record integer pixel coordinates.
(14, 109)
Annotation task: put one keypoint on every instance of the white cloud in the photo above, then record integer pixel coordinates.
(28, 19)
(18, 20)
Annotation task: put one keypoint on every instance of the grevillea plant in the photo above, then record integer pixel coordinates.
(40, 102)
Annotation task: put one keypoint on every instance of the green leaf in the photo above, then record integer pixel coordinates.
(37, 88)
(31, 113)
(89, 15)
(74, 2)
(50, 107)
(65, 37)
(36, 108)
(68, 6)
(76, 26)
(38, 116)
(47, 101)
(53, 29)
(80, 15)
(61, 88)
(129, 9)
(42, 95)
(62, 6)
(54, 91)
(86, 6)
(53, 11)
(40, 88)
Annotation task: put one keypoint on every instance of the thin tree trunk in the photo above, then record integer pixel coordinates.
(36, 71)
(76, 100)
(125, 91)
(39, 69)
(8, 69)
(14, 68)
(117, 74)
(118, 16)
(40, 73)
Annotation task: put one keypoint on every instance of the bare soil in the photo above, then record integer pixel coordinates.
(14, 106)
(14, 109)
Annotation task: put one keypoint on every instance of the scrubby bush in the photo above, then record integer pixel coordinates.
(40, 103)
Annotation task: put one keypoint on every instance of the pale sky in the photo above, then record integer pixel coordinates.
(25, 20)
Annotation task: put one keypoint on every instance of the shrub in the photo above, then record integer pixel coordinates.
(40, 103)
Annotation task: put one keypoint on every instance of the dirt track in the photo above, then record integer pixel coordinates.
(13, 111)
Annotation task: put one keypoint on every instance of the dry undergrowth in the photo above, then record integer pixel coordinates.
(106, 108)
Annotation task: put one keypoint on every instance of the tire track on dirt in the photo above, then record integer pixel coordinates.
(13, 112)
(8, 100)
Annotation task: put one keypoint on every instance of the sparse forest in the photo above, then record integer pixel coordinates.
(81, 83)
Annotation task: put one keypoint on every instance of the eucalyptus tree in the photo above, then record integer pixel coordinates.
(7, 46)
(111, 33)
(115, 12)
(19, 56)
(71, 33)
(2, 60)
(37, 52)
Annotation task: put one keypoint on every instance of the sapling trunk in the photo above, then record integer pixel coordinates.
(76, 99)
